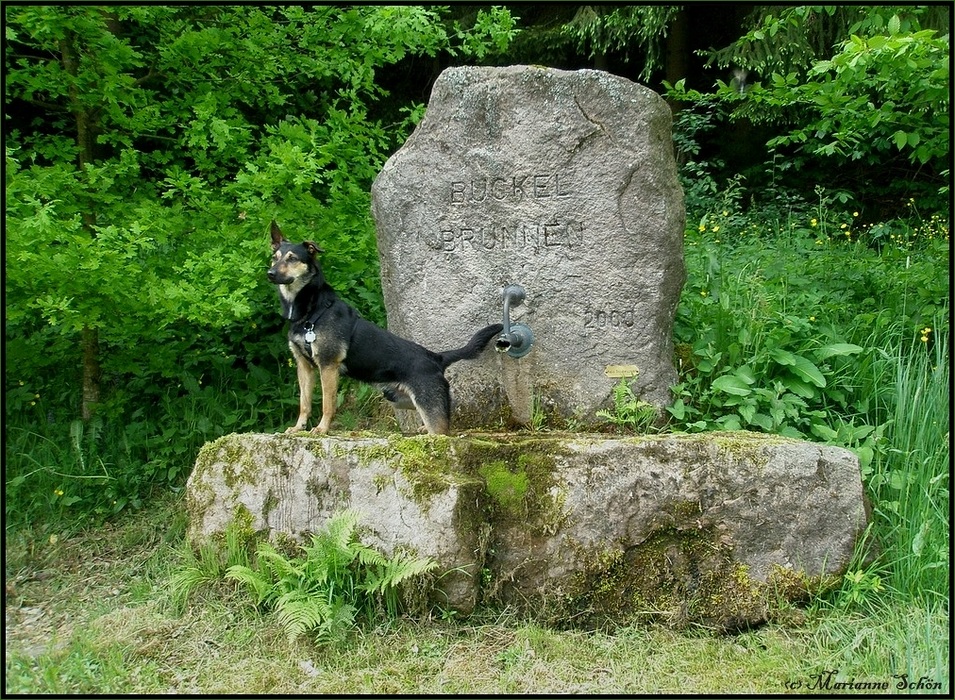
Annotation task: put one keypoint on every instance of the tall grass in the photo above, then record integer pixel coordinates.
(910, 480)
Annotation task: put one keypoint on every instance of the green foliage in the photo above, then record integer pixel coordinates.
(629, 413)
(337, 577)
(155, 144)
(494, 30)
(768, 347)
(910, 480)
(208, 565)
(789, 39)
(845, 87)
(199, 140)
(860, 586)
(58, 468)
(878, 95)
(600, 30)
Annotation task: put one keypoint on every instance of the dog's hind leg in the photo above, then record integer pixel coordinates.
(329, 375)
(306, 386)
(433, 403)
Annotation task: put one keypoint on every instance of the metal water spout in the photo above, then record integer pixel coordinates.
(515, 340)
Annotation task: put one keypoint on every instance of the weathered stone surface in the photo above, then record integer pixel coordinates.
(273, 484)
(704, 528)
(562, 182)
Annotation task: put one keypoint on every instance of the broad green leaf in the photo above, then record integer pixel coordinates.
(763, 421)
(865, 454)
(731, 384)
(837, 350)
(729, 423)
(783, 357)
(894, 25)
(745, 372)
(678, 409)
(747, 411)
(806, 370)
(799, 387)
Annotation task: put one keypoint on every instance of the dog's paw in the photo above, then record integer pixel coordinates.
(294, 429)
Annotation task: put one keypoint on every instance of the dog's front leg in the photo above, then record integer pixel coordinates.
(329, 376)
(306, 386)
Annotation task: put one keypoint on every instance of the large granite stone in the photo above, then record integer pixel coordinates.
(564, 183)
(715, 529)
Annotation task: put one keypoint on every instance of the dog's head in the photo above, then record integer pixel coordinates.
(292, 262)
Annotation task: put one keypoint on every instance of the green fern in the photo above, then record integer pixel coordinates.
(206, 567)
(260, 584)
(322, 591)
(385, 574)
(630, 413)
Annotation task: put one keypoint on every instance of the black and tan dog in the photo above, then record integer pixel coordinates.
(328, 335)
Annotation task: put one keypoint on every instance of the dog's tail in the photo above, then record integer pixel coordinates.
(473, 348)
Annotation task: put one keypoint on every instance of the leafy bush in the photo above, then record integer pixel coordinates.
(879, 99)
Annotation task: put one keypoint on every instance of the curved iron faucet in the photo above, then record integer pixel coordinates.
(515, 340)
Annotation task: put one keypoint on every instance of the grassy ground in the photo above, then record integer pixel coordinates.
(91, 612)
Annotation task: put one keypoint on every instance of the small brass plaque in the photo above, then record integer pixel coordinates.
(621, 371)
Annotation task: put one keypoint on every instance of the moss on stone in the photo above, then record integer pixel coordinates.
(268, 505)
(519, 479)
(425, 461)
(678, 578)
(506, 488)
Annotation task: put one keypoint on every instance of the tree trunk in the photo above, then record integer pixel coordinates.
(91, 371)
(85, 139)
(677, 49)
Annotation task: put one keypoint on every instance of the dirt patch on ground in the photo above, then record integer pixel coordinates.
(56, 583)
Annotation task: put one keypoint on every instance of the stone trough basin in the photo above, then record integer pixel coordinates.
(719, 529)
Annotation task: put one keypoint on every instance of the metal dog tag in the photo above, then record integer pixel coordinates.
(310, 336)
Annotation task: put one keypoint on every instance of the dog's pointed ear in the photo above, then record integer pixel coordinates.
(312, 248)
(277, 237)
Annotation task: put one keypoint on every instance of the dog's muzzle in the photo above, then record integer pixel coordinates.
(276, 278)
